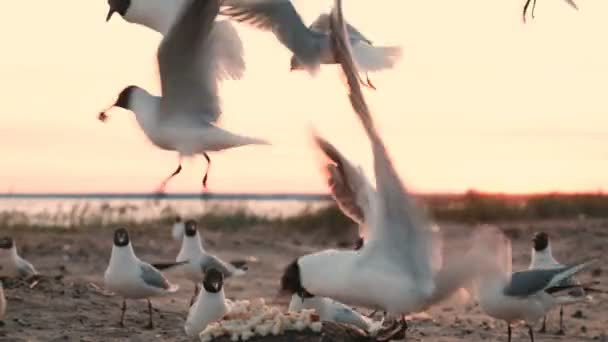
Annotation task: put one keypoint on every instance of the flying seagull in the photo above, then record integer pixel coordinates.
(184, 118)
(310, 45)
(160, 15)
(393, 270)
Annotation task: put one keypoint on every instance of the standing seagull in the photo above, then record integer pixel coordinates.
(199, 261)
(183, 118)
(393, 270)
(177, 231)
(210, 305)
(542, 258)
(525, 11)
(311, 46)
(160, 15)
(132, 278)
(520, 296)
(11, 264)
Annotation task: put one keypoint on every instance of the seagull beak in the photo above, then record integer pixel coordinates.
(110, 12)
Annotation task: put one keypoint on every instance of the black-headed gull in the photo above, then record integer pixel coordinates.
(210, 304)
(199, 261)
(393, 270)
(311, 45)
(132, 278)
(177, 230)
(519, 296)
(184, 118)
(542, 258)
(11, 264)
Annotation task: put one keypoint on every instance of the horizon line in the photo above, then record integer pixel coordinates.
(297, 196)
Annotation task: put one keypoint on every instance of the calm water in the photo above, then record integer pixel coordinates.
(70, 209)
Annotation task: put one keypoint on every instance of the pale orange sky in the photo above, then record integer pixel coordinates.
(479, 100)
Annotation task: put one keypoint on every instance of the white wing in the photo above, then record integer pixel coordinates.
(401, 228)
(349, 187)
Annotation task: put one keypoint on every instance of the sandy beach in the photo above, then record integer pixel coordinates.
(70, 304)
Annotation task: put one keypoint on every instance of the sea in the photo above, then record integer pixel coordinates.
(69, 209)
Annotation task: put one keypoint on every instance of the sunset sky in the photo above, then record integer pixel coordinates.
(479, 100)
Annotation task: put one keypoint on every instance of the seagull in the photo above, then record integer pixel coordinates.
(11, 264)
(542, 258)
(132, 278)
(311, 45)
(331, 310)
(2, 302)
(199, 261)
(524, 295)
(393, 270)
(210, 305)
(177, 232)
(184, 118)
(160, 15)
(525, 11)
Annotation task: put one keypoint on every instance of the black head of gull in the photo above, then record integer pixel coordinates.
(121, 237)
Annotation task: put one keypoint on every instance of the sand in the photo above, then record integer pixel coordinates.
(70, 304)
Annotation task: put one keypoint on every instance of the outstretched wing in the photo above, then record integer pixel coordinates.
(185, 60)
(402, 228)
(281, 18)
(321, 24)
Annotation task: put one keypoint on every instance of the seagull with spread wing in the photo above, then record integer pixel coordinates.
(311, 46)
(184, 119)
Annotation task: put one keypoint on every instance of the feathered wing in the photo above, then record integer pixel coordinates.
(349, 187)
(227, 49)
(282, 19)
(321, 24)
(187, 66)
(403, 229)
(367, 57)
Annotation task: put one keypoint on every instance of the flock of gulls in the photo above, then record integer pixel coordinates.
(397, 266)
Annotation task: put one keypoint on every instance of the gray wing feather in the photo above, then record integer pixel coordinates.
(342, 179)
(152, 277)
(321, 24)
(346, 315)
(26, 269)
(280, 17)
(210, 261)
(529, 282)
(188, 82)
(576, 291)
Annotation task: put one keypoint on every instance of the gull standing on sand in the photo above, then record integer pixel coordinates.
(210, 305)
(160, 15)
(542, 258)
(177, 231)
(333, 311)
(199, 261)
(132, 278)
(311, 46)
(525, 11)
(11, 264)
(519, 296)
(183, 118)
(393, 270)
